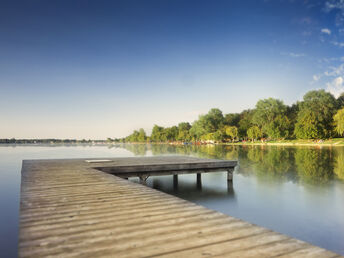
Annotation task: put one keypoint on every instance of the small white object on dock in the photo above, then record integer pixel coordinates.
(97, 160)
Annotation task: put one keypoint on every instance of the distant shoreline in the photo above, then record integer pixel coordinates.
(293, 143)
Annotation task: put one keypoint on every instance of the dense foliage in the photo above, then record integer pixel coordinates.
(318, 116)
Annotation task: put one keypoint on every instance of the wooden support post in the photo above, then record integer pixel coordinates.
(230, 175)
(175, 182)
(199, 181)
(230, 189)
(175, 179)
(199, 178)
(143, 179)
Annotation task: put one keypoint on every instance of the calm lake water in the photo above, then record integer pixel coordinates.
(298, 191)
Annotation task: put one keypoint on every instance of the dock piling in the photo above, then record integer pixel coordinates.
(143, 179)
(230, 175)
(199, 178)
(175, 182)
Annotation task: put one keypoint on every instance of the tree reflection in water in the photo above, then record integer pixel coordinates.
(307, 165)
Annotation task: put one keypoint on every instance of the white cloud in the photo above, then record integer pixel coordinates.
(336, 87)
(316, 77)
(291, 54)
(326, 31)
(336, 5)
(338, 44)
(335, 71)
(296, 54)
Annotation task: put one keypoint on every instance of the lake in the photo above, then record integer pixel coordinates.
(298, 191)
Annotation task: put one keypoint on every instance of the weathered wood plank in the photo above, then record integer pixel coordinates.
(70, 209)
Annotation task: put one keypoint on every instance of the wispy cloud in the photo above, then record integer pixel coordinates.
(292, 54)
(335, 71)
(336, 5)
(326, 31)
(296, 54)
(331, 59)
(336, 86)
(316, 77)
(338, 44)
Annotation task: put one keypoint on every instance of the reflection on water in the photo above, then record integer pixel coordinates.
(298, 191)
(307, 165)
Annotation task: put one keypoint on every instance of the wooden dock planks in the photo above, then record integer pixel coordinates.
(164, 165)
(70, 209)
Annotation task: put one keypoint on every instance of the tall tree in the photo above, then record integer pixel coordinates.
(340, 101)
(171, 133)
(183, 132)
(245, 122)
(142, 135)
(278, 128)
(339, 121)
(158, 134)
(270, 116)
(232, 119)
(231, 132)
(213, 120)
(254, 133)
(209, 123)
(315, 116)
(267, 110)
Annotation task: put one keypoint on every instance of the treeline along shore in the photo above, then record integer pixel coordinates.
(317, 118)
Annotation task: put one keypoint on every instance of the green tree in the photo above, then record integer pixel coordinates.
(158, 134)
(214, 120)
(232, 119)
(292, 112)
(340, 101)
(308, 126)
(267, 110)
(245, 122)
(270, 116)
(171, 133)
(183, 132)
(209, 123)
(254, 132)
(218, 136)
(315, 116)
(231, 132)
(142, 135)
(339, 121)
(278, 128)
(198, 128)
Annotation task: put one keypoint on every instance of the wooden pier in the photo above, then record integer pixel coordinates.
(145, 167)
(76, 208)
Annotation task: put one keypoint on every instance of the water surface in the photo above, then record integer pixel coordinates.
(298, 191)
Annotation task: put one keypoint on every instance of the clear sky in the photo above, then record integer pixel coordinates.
(97, 69)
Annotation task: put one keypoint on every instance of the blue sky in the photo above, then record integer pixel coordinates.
(97, 69)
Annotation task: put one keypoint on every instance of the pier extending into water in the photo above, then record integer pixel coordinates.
(86, 207)
(145, 167)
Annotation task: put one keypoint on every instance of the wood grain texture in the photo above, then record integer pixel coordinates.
(70, 209)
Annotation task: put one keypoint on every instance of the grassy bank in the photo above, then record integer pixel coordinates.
(328, 142)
